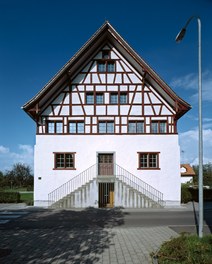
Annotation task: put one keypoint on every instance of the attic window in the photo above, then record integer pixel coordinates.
(101, 66)
(105, 54)
(106, 66)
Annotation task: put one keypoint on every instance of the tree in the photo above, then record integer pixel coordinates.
(19, 176)
(207, 174)
(1, 179)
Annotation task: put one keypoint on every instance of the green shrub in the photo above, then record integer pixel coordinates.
(207, 194)
(185, 194)
(9, 197)
(186, 249)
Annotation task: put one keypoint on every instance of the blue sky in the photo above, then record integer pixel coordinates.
(38, 37)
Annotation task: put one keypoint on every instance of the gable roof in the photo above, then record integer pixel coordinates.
(186, 170)
(106, 33)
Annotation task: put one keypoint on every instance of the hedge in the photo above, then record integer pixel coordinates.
(207, 194)
(9, 197)
(192, 194)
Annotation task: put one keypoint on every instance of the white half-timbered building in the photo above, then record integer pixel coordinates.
(106, 131)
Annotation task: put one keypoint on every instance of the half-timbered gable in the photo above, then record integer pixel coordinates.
(108, 88)
(106, 100)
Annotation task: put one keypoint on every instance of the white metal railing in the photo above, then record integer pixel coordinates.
(139, 185)
(117, 171)
(72, 185)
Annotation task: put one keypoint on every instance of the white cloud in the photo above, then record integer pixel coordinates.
(3, 150)
(8, 158)
(187, 82)
(190, 82)
(189, 146)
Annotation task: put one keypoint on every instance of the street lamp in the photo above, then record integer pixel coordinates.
(179, 37)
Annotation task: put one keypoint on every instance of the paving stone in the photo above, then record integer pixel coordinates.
(62, 245)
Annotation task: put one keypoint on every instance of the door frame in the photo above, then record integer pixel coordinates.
(106, 152)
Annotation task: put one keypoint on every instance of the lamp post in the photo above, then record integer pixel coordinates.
(179, 37)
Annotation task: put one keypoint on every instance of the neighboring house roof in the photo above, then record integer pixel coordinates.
(106, 33)
(186, 170)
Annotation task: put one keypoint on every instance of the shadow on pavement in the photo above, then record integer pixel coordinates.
(57, 236)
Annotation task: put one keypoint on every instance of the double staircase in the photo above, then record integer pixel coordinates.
(83, 190)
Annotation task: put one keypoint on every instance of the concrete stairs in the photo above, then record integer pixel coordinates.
(82, 197)
(87, 195)
(128, 197)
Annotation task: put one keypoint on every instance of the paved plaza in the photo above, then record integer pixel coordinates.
(115, 245)
(36, 235)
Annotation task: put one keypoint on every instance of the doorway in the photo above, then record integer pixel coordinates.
(106, 195)
(105, 164)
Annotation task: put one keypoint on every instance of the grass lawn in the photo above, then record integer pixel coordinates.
(28, 196)
(14, 189)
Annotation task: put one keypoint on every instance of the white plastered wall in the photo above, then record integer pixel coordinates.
(166, 180)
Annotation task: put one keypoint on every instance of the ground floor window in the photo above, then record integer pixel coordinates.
(64, 161)
(148, 160)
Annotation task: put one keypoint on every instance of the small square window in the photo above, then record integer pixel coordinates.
(72, 128)
(105, 54)
(50, 127)
(54, 127)
(76, 127)
(89, 98)
(101, 66)
(114, 98)
(102, 127)
(123, 98)
(158, 127)
(140, 127)
(111, 66)
(106, 127)
(136, 127)
(110, 127)
(132, 127)
(163, 127)
(154, 127)
(59, 127)
(80, 127)
(99, 98)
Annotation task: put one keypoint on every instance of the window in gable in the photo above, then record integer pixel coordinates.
(114, 98)
(89, 98)
(99, 98)
(136, 127)
(101, 66)
(76, 127)
(123, 98)
(105, 54)
(158, 127)
(106, 127)
(54, 127)
(110, 66)
(106, 66)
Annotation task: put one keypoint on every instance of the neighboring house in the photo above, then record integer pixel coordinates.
(106, 130)
(187, 173)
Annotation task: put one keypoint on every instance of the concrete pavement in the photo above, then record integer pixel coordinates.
(78, 236)
(99, 245)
